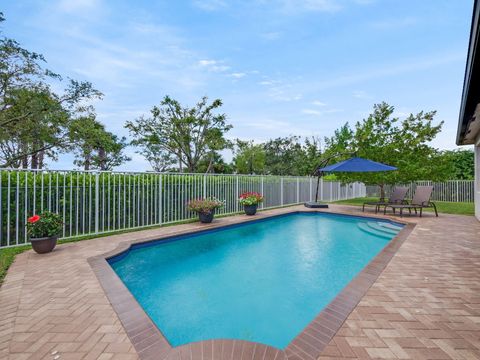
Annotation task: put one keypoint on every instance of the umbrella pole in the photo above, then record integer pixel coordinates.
(316, 193)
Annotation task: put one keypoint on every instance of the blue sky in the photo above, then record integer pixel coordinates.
(281, 67)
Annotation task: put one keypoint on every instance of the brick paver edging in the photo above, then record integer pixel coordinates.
(150, 343)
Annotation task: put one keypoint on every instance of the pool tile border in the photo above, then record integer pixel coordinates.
(151, 344)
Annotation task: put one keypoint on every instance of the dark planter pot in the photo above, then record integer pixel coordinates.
(206, 218)
(44, 245)
(250, 209)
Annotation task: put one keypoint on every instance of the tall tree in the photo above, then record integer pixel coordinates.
(284, 156)
(462, 164)
(312, 151)
(249, 158)
(94, 147)
(188, 134)
(215, 164)
(402, 143)
(159, 159)
(32, 117)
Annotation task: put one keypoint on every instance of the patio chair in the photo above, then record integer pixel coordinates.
(397, 197)
(421, 200)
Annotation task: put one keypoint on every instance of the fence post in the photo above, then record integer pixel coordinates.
(204, 186)
(310, 199)
(97, 200)
(160, 199)
(457, 189)
(321, 189)
(281, 191)
(236, 194)
(298, 190)
(261, 190)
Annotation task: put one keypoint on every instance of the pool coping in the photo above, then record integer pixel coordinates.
(150, 343)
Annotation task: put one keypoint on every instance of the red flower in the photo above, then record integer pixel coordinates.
(33, 219)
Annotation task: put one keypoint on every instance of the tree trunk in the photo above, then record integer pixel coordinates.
(86, 163)
(382, 191)
(41, 157)
(210, 163)
(34, 163)
(24, 160)
(180, 165)
(102, 159)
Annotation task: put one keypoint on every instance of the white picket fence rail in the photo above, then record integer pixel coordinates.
(92, 202)
(452, 190)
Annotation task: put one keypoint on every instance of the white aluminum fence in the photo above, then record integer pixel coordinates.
(101, 202)
(453, 190)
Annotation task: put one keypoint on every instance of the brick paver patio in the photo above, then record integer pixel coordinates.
(424, 305)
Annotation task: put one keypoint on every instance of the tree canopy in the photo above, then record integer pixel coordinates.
(188, 134)
(384, 138)
(94, 147)
(461, 162)
(35, 121)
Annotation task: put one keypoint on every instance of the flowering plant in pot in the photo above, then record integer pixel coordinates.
(250, 201)
(43, 231)
(205, 208)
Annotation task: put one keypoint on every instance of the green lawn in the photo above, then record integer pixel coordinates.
(7, 256)
(442, 206)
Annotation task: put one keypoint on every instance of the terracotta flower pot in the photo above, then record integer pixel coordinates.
(250, 209)
(206, 218)
(44, 245)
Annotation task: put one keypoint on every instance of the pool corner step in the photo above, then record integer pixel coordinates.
(379, 226)
(374, 231)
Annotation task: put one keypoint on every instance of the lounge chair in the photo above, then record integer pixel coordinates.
(397, 197)
(421, 200)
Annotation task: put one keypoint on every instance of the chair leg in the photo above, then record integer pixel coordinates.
(363, 208)
(409, 211)
(401, 212)
(435, 208)
(421, 211)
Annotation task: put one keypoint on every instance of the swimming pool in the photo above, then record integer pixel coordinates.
(262, 281)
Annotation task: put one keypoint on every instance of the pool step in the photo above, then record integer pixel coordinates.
(391, 226)
(380, 226)
(377, 230)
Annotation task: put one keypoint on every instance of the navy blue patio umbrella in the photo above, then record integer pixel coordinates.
(354, 164)
(357, 164)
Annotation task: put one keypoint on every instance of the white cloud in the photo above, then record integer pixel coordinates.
(267, 127)
(213, 65)
(383, 71)
(311, 112)
(206, 62)
(238, 75)
(315, 112)
(318, 103)
(266, 82)
(280, 90)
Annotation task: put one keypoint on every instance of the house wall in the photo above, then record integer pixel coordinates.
(477, 177)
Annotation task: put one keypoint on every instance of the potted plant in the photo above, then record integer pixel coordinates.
(205, 208)
(43, 231)
(250, 201)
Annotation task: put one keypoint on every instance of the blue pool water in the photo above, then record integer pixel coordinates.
(263, 281)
